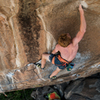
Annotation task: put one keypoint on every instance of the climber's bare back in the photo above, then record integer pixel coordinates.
(68, 52)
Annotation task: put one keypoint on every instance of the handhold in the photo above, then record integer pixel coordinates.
(84, 4)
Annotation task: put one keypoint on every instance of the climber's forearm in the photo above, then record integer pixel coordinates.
(80, 34)
(83, 22)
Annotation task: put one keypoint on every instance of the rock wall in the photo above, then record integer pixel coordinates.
(12, 53)
(83, 89)
(80, 89)
(29, 28)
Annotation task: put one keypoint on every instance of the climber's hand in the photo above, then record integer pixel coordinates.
(81, 9)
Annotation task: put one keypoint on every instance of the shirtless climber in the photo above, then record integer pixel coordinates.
(67, 47)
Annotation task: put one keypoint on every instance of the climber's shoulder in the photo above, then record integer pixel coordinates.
(78, 38)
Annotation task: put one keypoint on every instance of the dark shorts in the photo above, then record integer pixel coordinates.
(57, 62)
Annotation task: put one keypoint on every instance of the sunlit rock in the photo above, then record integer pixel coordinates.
(30, 27)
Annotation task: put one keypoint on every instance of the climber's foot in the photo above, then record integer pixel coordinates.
(39, 65)
(52, 78)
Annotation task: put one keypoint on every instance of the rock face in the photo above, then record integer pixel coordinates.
(80, 89)
(30, 27)
(83, 89)
(12, 53)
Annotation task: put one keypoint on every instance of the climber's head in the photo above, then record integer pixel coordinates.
(64, 40)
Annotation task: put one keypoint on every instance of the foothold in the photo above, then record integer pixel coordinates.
(60, 80)
(78, 75)
(74, 74)
(84, 4)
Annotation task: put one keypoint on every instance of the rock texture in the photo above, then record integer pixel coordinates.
(80, 89)
(30, 27)
(12, 53)
(83, 89)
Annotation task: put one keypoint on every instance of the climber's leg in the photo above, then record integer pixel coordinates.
(55, 72)
(44, 58)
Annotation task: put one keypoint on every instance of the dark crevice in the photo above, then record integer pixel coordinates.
(29, 27)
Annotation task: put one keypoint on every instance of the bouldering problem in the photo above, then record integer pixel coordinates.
(30, 28)
(66, 49)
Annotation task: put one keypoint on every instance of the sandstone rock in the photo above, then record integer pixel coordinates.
(11, 47)
(30, 27)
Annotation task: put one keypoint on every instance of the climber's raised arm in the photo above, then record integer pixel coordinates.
(80, 34)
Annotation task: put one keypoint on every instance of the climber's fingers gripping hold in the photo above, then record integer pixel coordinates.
(81, 9)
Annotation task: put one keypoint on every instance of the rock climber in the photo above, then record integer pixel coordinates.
(67, 47)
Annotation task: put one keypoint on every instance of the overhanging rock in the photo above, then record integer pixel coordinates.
(29, 28)
(31, 76)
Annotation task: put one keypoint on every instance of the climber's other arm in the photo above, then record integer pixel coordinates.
(55, 50)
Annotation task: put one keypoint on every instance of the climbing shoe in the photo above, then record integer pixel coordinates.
(39, 65)
(52, 78)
